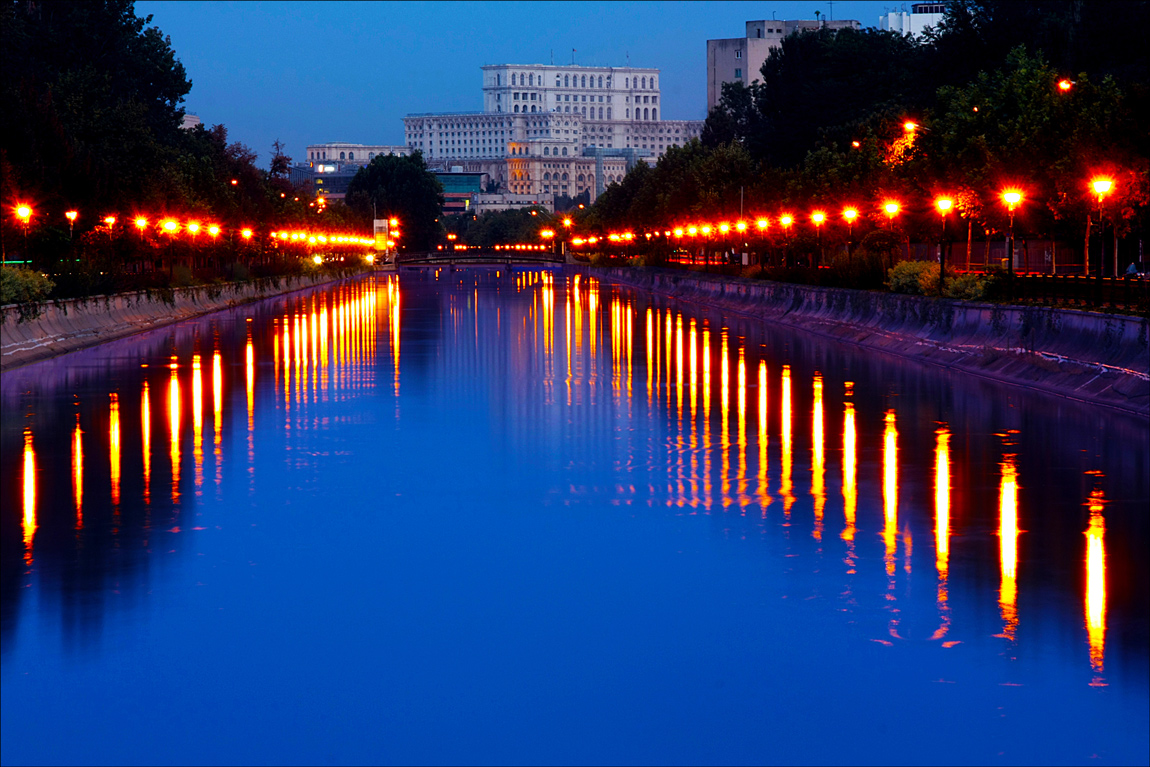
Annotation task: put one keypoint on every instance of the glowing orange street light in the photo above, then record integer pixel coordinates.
(23, 212)
(567, 222)
(786, 221)
(141, 223)
(235, 182)
(944, 205)
(849, 215)
(909, 127)
(724, 227)
(692, 231)
(891, 207)
(393, 222)
(71, 216)
(317, 259)
(1102, 187)
(110, 220)
(1064, 85)
(246, 234)
(1011, 197)
(214, 230)
(171, 227)
(678, 231)
(818, 218)
(547, 234)
(741, 226)
(194, 228)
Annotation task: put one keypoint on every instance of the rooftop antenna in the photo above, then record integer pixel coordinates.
(552, 57)
(572, 57)
(831, 6)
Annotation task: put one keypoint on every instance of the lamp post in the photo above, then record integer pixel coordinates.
(71, 216)
(1102, 187)
(849, 215)
(786, 221)
(818, 217)
(24, 213)
(944, 204)
(1011, 197)
(762, 224)
(891, 207)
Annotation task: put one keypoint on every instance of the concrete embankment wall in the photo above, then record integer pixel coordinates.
(65, 326)
(1104, 359)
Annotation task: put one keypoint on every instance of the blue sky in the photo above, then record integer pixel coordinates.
(308, 72)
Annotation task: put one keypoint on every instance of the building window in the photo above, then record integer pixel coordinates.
(738, 54)
(513, 79)
(530, 79)
(532, 107)
(738, 73)
(654, 114)
(341, 155)
(566, 81)
(564, 151)
(644, 82)
(584, 81)
(626, 82)
(564, 176)
(608, 113)
(516, 107)
(546, 150)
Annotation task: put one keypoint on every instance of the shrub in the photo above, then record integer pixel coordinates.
(182, 276)
(22, 286)
(753, 272)
(864, 270)
(913, 277)
(965, 286)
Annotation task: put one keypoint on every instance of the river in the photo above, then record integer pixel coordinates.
(482, 515)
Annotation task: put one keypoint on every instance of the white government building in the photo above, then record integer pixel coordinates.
(544, 129)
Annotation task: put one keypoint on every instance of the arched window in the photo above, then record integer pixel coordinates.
(580, 178)
(645, 112)
(626, 82)
(371, 155)
(644, 82)
(546, 176)
(600, 81)
(516, 107)
(558, 81)
(546, 150)
(628, 114)
(564, 151)
(351, 155)
(584, 111)
(584, 84)
(654, 114)
(608, 113)
(513, 79)
(530, 79)
(341, 156)
(566, 81)
(564, 176)
(567, 108)
(600, 113)
(532, 107)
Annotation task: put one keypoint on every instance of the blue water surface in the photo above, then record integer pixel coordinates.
(521, 516)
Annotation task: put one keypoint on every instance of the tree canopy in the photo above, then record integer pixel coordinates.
(403, 187)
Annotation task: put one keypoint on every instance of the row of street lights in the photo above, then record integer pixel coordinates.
(1012, 198)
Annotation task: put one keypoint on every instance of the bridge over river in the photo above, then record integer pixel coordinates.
(475, 257)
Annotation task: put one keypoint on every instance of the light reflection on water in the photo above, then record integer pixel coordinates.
(698, 415)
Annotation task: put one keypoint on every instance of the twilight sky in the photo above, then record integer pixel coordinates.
(311, 72)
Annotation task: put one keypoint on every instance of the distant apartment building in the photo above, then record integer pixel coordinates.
(189, 122)
(332, 166)
(921, 17)
(741, 59)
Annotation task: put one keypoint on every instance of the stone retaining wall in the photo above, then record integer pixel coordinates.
(65, 326)
(1099, 358)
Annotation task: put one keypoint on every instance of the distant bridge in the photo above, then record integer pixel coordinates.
(465, 257)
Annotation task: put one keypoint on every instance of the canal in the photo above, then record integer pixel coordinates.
(483, 515)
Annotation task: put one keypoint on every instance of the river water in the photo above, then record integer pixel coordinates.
(529, 516)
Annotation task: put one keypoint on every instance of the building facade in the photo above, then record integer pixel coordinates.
(741, 59)
(921, 17)
(539, 122)
(340, 153)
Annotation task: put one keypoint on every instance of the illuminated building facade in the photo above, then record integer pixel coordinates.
(540, 121)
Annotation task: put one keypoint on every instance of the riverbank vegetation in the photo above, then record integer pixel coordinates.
(850, 132)
(103, 191)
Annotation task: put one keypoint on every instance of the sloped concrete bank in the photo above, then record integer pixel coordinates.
(65, 326)
(1103, 359)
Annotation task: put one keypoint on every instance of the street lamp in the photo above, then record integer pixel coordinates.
(786, 221)
(1011, 197)
(71, 216)
(818, 217)
(849, 215)
(24, 213)
(891, 207)
(1102, 187)
(944, 204)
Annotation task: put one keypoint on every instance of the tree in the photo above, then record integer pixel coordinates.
(402, 187)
